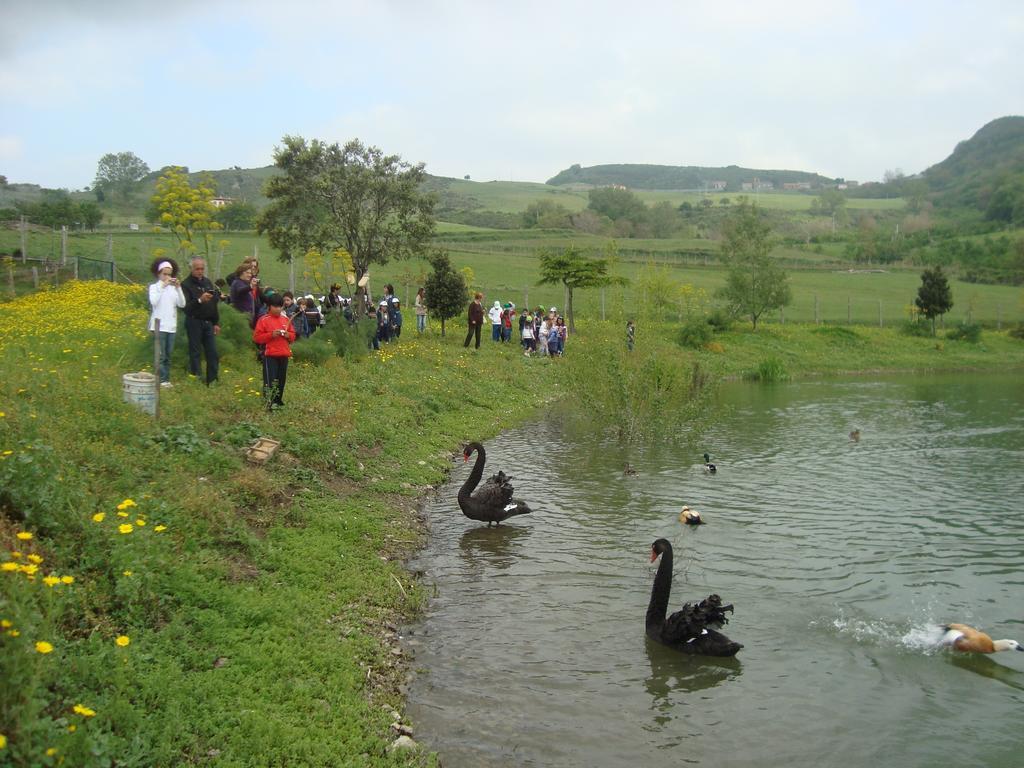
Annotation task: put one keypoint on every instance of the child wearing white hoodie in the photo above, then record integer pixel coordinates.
(494, 313)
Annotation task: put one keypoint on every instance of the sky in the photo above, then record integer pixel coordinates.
(515, 90)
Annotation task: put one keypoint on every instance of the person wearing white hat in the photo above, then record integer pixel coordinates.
(165, 297)
(494, 313)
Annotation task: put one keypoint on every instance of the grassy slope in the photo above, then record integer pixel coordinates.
(259, 619)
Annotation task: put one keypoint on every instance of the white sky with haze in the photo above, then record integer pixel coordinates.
(504, 90)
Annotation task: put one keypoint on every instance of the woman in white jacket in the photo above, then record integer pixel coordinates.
(166, 297)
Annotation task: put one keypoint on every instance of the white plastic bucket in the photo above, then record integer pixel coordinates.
(139, 389)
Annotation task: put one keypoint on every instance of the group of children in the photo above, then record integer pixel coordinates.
(540, 332)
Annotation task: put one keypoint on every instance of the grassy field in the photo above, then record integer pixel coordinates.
(504, 266)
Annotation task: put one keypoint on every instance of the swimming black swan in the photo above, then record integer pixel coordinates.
(688, 630)
(492, 501)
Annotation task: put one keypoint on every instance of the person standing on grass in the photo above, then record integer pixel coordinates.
(421, 311)
(494, 313)
(630, 335)
(275, 333)
(476, 319)
(202, 321)
(165, 297)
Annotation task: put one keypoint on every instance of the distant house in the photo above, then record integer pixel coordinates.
(221, 202)
(717, 186)
(757, 186)
(796, 185)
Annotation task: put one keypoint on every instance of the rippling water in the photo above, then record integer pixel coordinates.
(841, 558)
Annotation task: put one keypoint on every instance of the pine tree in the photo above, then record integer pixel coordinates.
(445, 292)
(934, 297)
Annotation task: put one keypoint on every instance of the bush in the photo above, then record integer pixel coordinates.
(316, 349)
(914, 328)
(349, 339)
(769, 370)
(695, 334)
(720, 320)
(969, 332)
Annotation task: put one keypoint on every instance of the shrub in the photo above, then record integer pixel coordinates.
(914, 328)
(694, 334)
(349, 339)
(720, 320)
(768, 370)
(317, 349)
(969, 332)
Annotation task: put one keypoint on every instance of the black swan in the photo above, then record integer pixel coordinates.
(492, 501)
(688, 630)
(708, 466)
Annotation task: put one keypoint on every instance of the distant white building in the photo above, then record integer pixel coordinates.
(221, 202)
(717, 186)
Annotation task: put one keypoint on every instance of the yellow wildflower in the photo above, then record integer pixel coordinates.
(51, 752)
(98, 517)
(35, 559)
(29, 570)
(83, 711)
(24, 535)
(127, 573)
(5, 623)
(122, 514)
(51, 581)
(13, 632)
(67, 579)
(72, 728)
(122, 640)
(125, 504)
(16, 555)
(3, 741)
(140, 522)
(125, 528)
(160, 528)
(44, 647)
(9, 565)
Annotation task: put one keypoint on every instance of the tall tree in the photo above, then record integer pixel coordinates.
(119, 172)
(186, 210)
(445, 289)
(934, 296)
(353, 197)
(573, 269)
(755, 283)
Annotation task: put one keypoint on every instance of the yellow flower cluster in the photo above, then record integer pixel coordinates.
(127, 528)
(74, 309)
(31, 568)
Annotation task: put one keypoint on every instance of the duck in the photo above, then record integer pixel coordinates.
(629, 469)
(961, 637)
(855, 435)
(690, 517)
(691, 629)
(708, 466)
(492, 501)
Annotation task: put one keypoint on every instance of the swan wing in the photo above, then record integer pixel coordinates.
(694, 619)
(493, 495)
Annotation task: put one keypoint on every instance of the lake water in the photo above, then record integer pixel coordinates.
(840, 557)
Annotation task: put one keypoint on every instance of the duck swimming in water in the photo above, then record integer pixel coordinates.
(708, 466)
(690, 517)
(961, 637)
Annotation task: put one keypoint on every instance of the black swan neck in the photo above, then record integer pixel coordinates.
(478, 470)
(662, 589)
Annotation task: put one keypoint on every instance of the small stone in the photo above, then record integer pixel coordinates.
(402, 729)
(403, 742)
(221, 662)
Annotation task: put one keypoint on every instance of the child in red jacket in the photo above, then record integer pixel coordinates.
(275, 333)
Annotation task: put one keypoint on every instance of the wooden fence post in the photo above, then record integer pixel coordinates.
(35, 278)
(24, 240)
(817, 317)
(64, 245)
(999, 318)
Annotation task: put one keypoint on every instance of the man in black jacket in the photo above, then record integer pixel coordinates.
(202, 321)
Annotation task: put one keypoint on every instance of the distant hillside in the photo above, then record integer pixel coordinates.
(690, 177)
(978, 165)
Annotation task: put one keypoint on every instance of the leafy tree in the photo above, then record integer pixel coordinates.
(240, 215)
(617, 205)
(934, 296)
(119, 172)
(90, 214)
(352, 197)
(755, 283)
(186, 210)
(829, 202)
(445, 292)
(572, 269)
(546, 214)
(1006, 202)
(664, 219)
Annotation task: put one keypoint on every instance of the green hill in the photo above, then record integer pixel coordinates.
(980, 166)
(690, 177)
